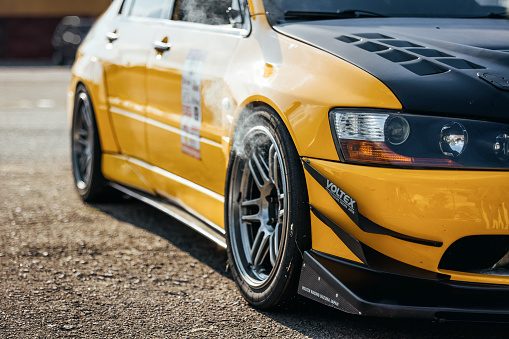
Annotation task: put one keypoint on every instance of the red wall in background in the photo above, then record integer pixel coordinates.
(26, 38)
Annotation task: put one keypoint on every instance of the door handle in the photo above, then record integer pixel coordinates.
(161, 46)
(112, 36)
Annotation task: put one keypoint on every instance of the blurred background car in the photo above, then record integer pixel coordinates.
(27, 27)
(69, 34)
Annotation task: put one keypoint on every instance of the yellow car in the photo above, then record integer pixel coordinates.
(354, 152)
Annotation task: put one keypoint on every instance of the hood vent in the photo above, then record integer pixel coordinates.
(372, 47)
(460, 63)
(415, 58)
(395, 55)
(429, 52)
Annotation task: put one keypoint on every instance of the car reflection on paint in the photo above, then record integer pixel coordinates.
(355, 153)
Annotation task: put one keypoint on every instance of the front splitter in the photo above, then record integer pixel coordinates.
(357, 289)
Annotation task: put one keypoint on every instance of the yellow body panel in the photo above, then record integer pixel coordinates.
(301, 83)
(209, 206)
(125, 69)
(119, 168)
(212, 177)
(424, 204)
(324, 240)
(93, 79)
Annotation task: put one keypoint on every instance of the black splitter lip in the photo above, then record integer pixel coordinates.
(357, 289)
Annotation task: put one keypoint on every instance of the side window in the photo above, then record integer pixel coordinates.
(210, 12)
(148, 8)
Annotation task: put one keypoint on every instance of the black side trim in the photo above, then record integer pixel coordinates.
(374, 259)
(368, 226)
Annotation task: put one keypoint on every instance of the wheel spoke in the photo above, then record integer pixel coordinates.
(260, 247)
(256, 245)
(259, 170)
(83, 133)
(274, 167)
(253, 202)
(83, 163)
(87, 119)
(82, 142)
(88, 162)
(251, 218)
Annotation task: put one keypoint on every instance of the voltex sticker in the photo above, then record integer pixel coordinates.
(191, 102)
(341, 197)
(346, 202)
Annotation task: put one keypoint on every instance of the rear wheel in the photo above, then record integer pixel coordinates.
(86, 148)
(267, 214)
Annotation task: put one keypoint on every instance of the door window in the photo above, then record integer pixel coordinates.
(209, 12)
(148, 8)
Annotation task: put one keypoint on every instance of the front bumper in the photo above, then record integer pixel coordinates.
(357, 289)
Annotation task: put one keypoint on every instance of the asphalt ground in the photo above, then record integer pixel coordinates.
(124, 269)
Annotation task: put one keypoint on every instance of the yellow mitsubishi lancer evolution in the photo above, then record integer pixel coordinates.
(353, 152)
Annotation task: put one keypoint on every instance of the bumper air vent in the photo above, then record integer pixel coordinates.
(482, 254)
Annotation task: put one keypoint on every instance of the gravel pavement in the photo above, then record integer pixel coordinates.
(123, 269)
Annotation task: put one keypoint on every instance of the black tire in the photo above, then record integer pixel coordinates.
(266, 210)
(86, 148)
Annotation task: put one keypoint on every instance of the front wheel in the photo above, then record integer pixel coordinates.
(266, 210)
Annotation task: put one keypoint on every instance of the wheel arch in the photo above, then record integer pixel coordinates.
(253, 103)
(89, 73)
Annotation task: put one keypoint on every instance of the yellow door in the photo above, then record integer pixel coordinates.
(187, 93)
(130, 42)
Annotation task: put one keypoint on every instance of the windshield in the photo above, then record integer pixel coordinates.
(281, 11)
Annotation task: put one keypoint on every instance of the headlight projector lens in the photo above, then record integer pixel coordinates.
(453, 139)
(397, 130)
(501, 147)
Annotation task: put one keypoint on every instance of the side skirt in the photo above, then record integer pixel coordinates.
(193, 221)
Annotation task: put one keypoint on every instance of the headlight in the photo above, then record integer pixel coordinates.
(398, 139)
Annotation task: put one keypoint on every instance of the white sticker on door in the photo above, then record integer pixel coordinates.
(191, 102)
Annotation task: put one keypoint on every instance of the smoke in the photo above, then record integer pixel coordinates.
(205, 12)
(214, 99)
(247, 120)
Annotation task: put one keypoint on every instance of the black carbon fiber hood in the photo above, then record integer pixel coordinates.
(454, 67)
